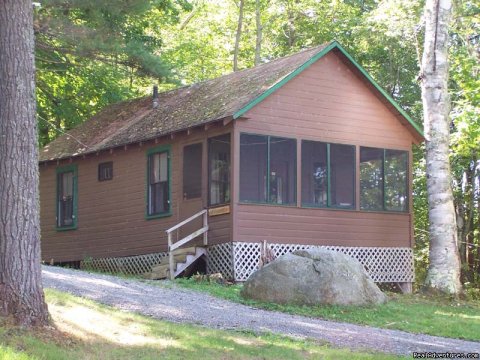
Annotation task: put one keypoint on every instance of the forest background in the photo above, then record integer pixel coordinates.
(91, 53)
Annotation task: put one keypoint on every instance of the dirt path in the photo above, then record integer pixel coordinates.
(186, 306)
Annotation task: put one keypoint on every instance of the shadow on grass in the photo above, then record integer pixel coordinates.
(87, 330)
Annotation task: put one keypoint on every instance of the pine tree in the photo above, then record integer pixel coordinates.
(21, 295)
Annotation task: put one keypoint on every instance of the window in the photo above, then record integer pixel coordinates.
(328, 175)
(158, 190)
(267, 169)
(219, 169)
(383, 179)
(192, 171)
(342, 176)
(314, 173)
(396, 185)
(105, 171)
(67, 197)
(253, 168)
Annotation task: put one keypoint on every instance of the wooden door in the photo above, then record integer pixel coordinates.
(192, 186)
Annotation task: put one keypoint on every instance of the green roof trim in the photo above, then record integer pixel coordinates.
(286, 79)
(312, 60)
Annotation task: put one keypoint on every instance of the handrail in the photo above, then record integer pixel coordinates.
(186, 239)
(193, 217)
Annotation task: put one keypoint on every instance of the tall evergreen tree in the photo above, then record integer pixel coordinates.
(21, 295)
(93, 53)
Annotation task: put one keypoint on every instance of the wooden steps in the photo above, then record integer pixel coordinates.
(183, 258)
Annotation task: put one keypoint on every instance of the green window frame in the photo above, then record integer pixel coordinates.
(274, 190)
(388, 181)
(158, 184)
(66, 198)
(327, 181)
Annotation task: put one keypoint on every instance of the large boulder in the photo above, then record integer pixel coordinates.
(312, 277)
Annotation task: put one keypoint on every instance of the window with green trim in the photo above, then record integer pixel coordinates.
(267, 169)
(328, 175)
(158, 191)
(67, 197)
(383, 179)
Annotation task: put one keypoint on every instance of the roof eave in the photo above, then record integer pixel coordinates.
(225, 119)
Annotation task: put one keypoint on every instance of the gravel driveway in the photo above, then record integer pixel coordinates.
(186, 306)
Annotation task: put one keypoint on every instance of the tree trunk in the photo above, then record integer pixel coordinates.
(21, 295)
(468, 266)
(291, 18)
(238, 36)
(444, 269)
(477, 265)
(258, 43)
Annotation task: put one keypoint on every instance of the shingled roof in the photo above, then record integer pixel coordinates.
(225, 97)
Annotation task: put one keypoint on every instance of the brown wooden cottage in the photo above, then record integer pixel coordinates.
(303, 151)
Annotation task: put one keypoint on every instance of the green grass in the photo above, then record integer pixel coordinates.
(412, 313)
(88, 330)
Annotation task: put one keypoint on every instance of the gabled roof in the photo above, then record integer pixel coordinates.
(226, 97)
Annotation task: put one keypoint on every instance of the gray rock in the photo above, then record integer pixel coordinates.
(313, 277)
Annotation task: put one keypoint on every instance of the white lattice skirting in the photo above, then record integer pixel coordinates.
(239, 260)
(129, 265)
(219, 260)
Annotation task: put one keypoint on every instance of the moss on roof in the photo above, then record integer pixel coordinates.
(228, 96)
(136, 120)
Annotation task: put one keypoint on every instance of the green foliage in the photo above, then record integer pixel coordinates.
(413, 313)
(465, 140)
(132, 336)
(93, 53)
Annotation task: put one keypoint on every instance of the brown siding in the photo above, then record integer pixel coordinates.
(290, 225)
(220, 229)
(328, 102)
(111, 214)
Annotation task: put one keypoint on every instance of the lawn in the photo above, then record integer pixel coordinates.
(85, 329)
(413, 313)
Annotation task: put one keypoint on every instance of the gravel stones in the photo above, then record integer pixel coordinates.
(168, 302)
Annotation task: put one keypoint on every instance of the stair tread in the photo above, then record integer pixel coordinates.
(181, 251)
(161, 271)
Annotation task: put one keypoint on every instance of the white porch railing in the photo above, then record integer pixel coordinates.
(186, 239)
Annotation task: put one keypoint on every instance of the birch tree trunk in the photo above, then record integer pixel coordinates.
(238, 36)
(21, 294)
(444, 269)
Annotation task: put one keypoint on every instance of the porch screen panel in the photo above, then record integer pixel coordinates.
(396, 183)
(219, 169)
(192, 171)
(253, 168)
(371, 178)
(314, 173)
(283, 168)
(342, 176)
(65, 215)
(158, 188)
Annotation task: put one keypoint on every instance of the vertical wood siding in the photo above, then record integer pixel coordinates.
(111, 214)
(328, 102)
